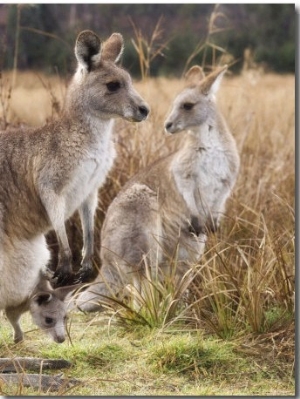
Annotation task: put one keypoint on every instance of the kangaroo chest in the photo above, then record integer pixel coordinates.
(202, 175)
(211, 168)
(89, 175)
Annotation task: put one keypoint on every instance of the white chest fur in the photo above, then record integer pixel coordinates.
(91, 171)
(202, 173)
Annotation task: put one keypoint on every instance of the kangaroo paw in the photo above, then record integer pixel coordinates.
(195, 226)
(85, 275)
(62, 278)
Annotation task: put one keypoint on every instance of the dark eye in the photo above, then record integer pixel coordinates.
(49, 320)
(188, 106)
(113, 86)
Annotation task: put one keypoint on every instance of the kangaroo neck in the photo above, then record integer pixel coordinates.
(92, 125)
(96, 125)
(205, 136)
(82, 118)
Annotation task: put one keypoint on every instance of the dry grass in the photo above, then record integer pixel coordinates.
(33, 100)
(245, 285)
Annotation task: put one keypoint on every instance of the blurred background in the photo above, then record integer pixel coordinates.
(168, 38)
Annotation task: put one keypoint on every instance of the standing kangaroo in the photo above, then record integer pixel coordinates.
(48, 173)
(167, 210)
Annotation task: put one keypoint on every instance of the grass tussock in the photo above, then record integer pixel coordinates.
(191, 355)
(240, 296)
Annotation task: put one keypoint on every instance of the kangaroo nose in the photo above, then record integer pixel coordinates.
(144, 111)
(168, 125)
(59, 339)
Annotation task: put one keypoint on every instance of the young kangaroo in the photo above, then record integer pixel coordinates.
(23, 287)
(167, 210)
(48, 173)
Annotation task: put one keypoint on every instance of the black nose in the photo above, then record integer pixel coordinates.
(59, 339)
(144, 111)
(168, 125)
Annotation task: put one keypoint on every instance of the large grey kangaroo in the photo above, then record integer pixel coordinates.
(48, 173)
(167, 210)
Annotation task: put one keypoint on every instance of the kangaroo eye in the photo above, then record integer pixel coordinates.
(113, 86)
(188, 106)
(49, 320)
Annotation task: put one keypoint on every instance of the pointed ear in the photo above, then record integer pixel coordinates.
(194, 75)
(113, 48)
(212, 82)
(62, 292)
(42, 298)
(88, 49)
(43, 284)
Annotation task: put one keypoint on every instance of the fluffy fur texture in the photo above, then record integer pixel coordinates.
(166, 211)
(47, 173)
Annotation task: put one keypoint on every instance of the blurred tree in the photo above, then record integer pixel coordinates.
(42, 45)
(48, 31)
(274, 37)
(268, 29)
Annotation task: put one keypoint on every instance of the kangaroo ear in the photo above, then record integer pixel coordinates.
(42, 298)
(212, 82)
(62, 292)
(43, 284)
(194, 75)
(113, 47)
(88, 49)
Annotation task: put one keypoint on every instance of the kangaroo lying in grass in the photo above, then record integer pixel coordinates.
(48, 173)
(166, 211)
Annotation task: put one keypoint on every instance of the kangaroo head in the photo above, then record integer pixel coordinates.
(100, 87)
(49, 310)
(195, 105)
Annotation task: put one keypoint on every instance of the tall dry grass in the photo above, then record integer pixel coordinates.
(30, 98)
(245, 282)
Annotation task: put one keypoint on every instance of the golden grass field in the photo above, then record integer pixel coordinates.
(243, 294)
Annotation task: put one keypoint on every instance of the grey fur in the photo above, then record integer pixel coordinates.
(47, 307)
(48, 173)
(166, 211)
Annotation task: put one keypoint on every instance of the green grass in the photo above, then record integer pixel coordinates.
(112, 360)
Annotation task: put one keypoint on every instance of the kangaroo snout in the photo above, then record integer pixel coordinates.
(170, 127)
(144, 111)
(59, 339)
(137, 111)
(173, 123)
(140, 113)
